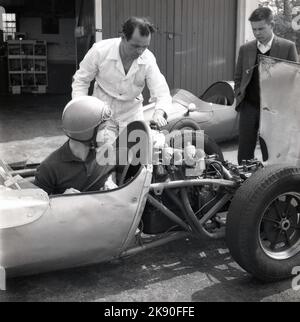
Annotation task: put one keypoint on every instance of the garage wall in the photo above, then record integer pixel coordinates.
(196, 40)
(61, 51)
(61, 47)
(205, 49)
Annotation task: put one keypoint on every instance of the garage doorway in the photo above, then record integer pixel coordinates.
(30, 120)
(29, 25)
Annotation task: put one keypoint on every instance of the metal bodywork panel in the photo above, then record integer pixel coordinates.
(280, 110)
(22, 207)
(219, 121)
(76, 230)
(64, 231)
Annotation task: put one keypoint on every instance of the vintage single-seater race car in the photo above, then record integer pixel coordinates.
(256, 208)
(213, 112)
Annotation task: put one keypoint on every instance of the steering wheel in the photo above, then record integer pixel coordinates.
(126, 168)
(100, 177)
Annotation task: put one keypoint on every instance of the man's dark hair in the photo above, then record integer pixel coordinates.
(143, 24)
(262, 13)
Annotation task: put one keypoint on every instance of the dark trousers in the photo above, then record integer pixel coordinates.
(249, 125)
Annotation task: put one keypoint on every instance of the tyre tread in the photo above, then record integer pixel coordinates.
(252, 190)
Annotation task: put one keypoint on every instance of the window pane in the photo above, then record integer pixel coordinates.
(10, 17)
(9, 25)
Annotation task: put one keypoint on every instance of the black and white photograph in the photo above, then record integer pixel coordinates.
(149, 153)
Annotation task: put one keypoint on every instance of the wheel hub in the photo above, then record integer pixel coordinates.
(285, 224)
(280, 230)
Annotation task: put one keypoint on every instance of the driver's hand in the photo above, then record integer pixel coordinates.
(159, 118)
(109, 184)
(71, 191)
(3, 188)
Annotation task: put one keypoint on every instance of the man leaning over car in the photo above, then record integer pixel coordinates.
(121, 67)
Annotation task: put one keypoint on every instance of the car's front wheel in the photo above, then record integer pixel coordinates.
(263, 223)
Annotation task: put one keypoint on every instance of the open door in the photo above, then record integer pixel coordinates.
(85, 28)
(280, 110)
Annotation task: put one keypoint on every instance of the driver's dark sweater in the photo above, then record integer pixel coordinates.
(62, 170)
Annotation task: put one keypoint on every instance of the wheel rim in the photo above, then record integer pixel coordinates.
(279, 229)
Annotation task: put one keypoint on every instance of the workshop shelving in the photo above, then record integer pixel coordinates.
(27, 66)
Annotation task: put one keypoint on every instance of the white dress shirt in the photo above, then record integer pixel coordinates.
(265, 48)
(122, 92)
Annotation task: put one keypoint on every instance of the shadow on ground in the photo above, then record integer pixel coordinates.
(184, 271)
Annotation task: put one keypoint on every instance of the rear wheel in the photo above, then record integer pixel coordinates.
(263, 223)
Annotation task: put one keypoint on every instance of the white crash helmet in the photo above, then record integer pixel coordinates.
(82, 117)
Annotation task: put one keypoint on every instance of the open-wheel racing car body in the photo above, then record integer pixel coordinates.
(256, 208)
(213, 112)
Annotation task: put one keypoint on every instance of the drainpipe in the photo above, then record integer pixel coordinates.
(244, 30)
(98, 19)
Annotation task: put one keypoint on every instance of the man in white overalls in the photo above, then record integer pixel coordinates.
(121, 68)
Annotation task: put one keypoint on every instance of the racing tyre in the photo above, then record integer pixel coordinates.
(263, 223)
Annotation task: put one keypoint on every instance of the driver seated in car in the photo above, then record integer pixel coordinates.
(73, 167)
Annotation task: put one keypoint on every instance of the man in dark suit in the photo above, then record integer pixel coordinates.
(246, 77)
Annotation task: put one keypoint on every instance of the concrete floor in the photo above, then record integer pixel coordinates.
(183, 271)
(30, 126)
(25, 117)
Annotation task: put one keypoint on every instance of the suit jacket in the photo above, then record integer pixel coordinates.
(281, 48)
